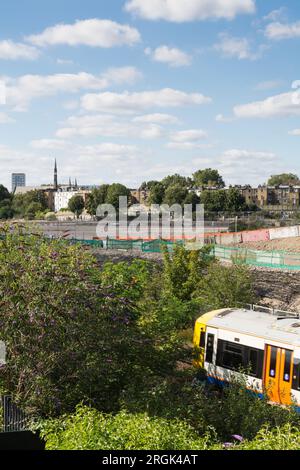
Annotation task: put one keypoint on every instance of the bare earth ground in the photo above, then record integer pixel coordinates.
(274, 288)
(291, 245)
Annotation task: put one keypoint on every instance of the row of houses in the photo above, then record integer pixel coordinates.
(264, 197)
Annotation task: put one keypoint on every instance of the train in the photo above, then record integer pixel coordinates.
(259, 343)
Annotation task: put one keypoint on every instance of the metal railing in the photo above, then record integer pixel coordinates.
(14, 419)
(273, 311)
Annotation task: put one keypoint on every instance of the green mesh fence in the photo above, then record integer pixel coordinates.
(268, 259)
(124, 244)
(157, 246)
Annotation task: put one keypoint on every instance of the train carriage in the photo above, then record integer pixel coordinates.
(263, 342)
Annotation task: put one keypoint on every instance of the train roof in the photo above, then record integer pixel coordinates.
(283, 327)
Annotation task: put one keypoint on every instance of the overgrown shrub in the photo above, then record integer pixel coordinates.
(88, 429)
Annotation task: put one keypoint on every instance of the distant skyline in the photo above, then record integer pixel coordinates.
(134, 90)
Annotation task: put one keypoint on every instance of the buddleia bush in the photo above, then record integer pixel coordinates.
(88, 429)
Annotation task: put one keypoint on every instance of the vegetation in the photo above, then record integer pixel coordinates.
(208, 178)
(284, 179)
(76, 205)
(101, 358)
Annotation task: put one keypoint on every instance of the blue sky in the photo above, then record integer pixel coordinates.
(133, 90)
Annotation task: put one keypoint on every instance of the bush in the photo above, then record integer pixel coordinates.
(91, 430)
(69, 338)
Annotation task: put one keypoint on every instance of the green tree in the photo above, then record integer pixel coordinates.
(226, 286)
(70, 335)
(171, 180)
(184, 269)
(4, 193)
(6, 210)
(76, 205)
(157, 194)
(208, 178)
(235, 201)
(33, 209)
(25, 204)
(284, 179)
(114, 192)
(214, 201)
(97, 197)
(175, 194)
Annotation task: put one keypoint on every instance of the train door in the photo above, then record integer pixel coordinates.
(211, 351)
(278, 374)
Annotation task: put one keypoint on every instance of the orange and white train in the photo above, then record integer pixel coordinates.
(263, 342)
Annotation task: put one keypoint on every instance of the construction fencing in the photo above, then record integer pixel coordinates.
(268, 259)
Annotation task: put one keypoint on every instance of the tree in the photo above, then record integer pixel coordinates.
(157, 194)
(76, 205)
(226, 286)
(70, 336)
(192, 199)
(24, 205)
(4, 193)
(214, 201)
(176, 179)
(114, 192)
(208, 178)
(184, 270)
(235, 201)
(34, 209)
(175, 194)
(284, 179)
(97, 197)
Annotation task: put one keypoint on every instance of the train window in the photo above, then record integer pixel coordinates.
(253, 361)
(287, 366)
(234, 356)
(230, 355)
(210, 348)
(273, 361)
(296, 375)
(202, 339)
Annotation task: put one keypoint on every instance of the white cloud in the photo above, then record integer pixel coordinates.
(240, 48)
(134, 102)
(282, 105)
(295, 132)
(20, 91)
(157, 118)
(49, 144)
(189, 10)
(64, 62)
(232, 163)
(268, 85)
(169, 55)
(10, 50)
(278, 31)
(93, 32)
(5, 119)
(221, 118)
(191, 135)
(276, 15)
(188, 139)
(107, 126)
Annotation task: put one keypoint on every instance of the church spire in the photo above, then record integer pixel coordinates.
(55, 176)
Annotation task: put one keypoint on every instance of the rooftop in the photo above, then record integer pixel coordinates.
(275, 325)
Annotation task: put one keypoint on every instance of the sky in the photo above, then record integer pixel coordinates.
(134, 90)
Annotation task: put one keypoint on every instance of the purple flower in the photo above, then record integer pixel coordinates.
(237, 437)
(227, 445)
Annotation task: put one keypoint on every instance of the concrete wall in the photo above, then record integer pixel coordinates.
(256, 236)
(284, 232)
